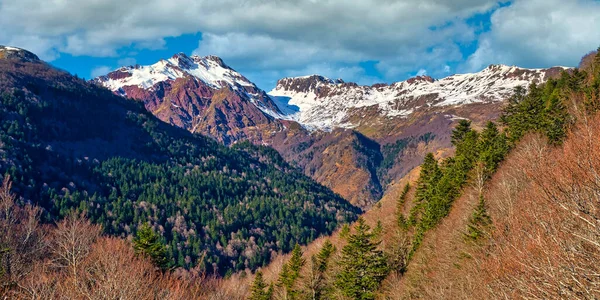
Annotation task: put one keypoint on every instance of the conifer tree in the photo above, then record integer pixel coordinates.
(459, 132)
(492, 147)
(401, 220)
(257, 291)
(317, 282)
(363, 265)
(290, 272)
(147, 242)
(478, 221)
(324, 254)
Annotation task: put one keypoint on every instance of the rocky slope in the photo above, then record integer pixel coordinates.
(200, 94)
(322, 103)
(353, 139)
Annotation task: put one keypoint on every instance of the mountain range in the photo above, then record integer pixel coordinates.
(353, 139)
(71, 147)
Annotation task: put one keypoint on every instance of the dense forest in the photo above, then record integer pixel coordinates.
(72, 147)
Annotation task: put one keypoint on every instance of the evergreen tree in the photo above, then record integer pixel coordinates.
(257, 291)
(478, 221)
(458, 134)
(324, 254)
(492, 147)
(363, 265)
(317, 283)
(290, 272)
(401, 220)
(147, 243)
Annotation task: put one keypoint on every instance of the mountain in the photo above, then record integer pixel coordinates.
(511, 214)
(353, 139)
(71, 146)
(200, 94)
(323, 103)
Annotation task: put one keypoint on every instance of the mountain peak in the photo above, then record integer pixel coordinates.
(306, 83)
(209, 69)
(7, 52)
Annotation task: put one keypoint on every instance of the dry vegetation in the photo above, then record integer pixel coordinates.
(72, 260)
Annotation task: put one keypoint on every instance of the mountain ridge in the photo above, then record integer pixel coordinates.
(305, 118)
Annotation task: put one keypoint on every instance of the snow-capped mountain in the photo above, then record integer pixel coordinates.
(201, 94)
(209, 69)
(322, 103)
(337, 132)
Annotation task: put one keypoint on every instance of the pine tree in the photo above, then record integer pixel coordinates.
(458, 134)
(290, 272)
(317, 282)
(148, 243)
(363, 265)
(429, 175)
(492, 147)
(257, 291)
(324, 254)
(478, 221)
(401, 220)
(296, 262)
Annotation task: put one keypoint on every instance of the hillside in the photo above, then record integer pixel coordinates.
(69, 145)
(488, 222)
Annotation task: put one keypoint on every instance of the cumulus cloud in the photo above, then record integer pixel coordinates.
(338, 30)
(539, 33)
(269, 38)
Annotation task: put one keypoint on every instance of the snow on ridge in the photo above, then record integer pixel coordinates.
(8, 48)
(332, 108)
(209, 69)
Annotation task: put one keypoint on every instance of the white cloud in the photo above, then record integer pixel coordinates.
(539, 33)
(99, 71)
(422, 72)
(271, 38)
(345, 30)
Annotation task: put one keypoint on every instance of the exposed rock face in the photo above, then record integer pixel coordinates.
(326, 104)
(354, 139)
(200, 94)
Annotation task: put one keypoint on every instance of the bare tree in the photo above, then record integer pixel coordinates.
(21, 238)
(72, 242)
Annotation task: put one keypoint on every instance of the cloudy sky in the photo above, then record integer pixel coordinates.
(365, 41)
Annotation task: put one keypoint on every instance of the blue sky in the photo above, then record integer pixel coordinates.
(365, 41)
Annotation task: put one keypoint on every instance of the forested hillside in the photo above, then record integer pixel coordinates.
(511, 215)
(70, 146)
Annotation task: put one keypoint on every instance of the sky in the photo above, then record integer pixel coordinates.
(364, 41)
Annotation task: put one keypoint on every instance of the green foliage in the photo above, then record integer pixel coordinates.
(317, 283)
(478, 222)
(363, 266)
(438, 186)
(401, 220)
(290, 273)
(72, 146)
(257, 291)
(345, 231)
(461, 130)
(541, 109)
(324, 254)
(492, 147)
(148, 243)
